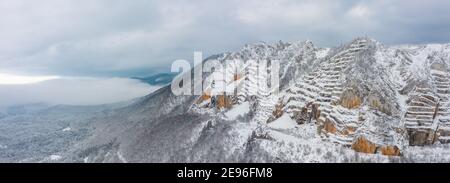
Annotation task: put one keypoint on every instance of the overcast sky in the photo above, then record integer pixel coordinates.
(140, 37)
(72, 51)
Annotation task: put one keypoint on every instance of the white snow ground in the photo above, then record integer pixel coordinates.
(239, 110)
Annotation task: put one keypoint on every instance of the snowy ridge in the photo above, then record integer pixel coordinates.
(293, 58)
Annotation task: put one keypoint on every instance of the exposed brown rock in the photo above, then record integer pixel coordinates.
(315, 111)
(329, 127)
(278, 112)
(376, 102)
(420, 138)
(307, 113)
(417, 138)
(204, 97)
(390, 151)
(443, 133)
(348, 130)
(223, 102)
(350, 99)
(302, 116)
(237, 77)
(365, 146)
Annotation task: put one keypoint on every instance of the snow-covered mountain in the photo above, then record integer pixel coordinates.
(358, 102)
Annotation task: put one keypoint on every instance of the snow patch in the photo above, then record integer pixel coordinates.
(121, 157)
(54, 157)
(67, 129)
(238, 110)
(284, 122)
(322, 53)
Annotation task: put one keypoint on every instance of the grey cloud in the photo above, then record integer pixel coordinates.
(128, 38)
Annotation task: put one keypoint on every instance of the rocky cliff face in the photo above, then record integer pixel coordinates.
(363, 95)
